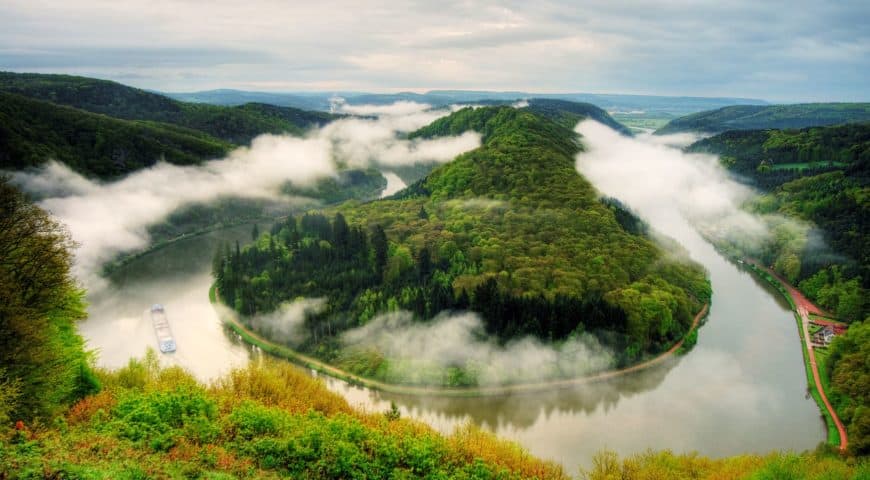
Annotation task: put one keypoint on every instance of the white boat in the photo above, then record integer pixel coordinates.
(165, 341)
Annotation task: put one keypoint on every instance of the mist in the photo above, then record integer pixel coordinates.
(459, 340)
(107, 219)
(286, 324)
(667, 187)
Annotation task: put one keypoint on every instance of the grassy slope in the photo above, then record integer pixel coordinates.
(264, 421)
(33, 131)
(232, 124)
(749, 117)
(273, 421)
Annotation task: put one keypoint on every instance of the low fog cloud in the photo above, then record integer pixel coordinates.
(458, 340)
(667, 186)
(110, 218)
(286, 323)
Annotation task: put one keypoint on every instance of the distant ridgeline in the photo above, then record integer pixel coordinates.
(105, 129)
(752, 117)
(509, 230)
(819, 175)
(567, 113)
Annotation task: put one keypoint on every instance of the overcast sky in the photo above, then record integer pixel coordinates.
(777, 50)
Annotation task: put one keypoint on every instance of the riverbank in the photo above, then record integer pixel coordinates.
(123, 260)
(802, 308)
(282, 351)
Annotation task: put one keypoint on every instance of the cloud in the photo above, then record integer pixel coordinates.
(457, 340)
(110, 218)
(628, 46)
(669, 188)
(286, 324)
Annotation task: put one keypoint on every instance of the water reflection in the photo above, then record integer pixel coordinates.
(742, 388)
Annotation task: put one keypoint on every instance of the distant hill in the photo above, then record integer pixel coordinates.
(238, 124)
(568, 113)
(610, 102)
(34, 131)
(229, 97)
(819, 175)
(769, 158)
(752, 117)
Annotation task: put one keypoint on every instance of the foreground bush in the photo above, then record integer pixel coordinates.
(262, 421)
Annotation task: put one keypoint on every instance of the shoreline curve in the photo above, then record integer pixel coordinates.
(253, 338)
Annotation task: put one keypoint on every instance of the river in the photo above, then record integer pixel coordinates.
(741, 389)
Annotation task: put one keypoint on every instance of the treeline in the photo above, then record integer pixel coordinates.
(104, 129)
(351, 268)
(769, 158)
(758, 117)
(43, 365)
(33, 132)
(237, 125)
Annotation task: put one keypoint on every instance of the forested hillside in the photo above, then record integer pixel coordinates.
(818, 175)
(43, 366)
(769, 158)
(754, 117)
(849, 372)
(567, 113)
(33, 132)
(509, 230)
(236, 125)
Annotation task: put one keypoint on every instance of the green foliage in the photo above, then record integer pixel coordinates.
(568, 114)
(42, 363)
(33, 131)
(267, 421)
(363, 185)
(754, 117)
(509, 230)
(791, 154)
(236, 125)
(849, 370)
(666, 465)
(158, 419)
(828, 256)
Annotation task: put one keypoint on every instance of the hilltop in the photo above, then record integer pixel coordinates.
(752, 117)
(33, 132)
(237, 125)
(510, 231)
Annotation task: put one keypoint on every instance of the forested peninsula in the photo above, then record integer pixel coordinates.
(509, 231)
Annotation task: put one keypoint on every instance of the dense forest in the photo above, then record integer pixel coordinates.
(848, 368)
(819, 176)
(237, 125)
(33, 131)
(566, 113)
(755, 117)
(510, 231)
(43, 365)
(769, 158)
(105, 130)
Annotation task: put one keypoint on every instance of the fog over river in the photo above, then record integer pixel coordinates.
(741, 389)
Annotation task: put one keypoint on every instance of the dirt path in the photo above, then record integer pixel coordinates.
(804, 309)
(313, 363)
